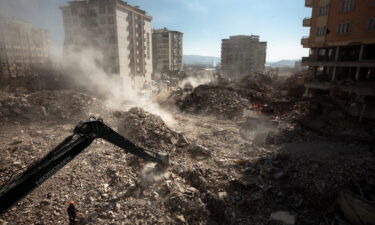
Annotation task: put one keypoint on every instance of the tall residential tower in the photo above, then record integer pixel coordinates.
(120, 31)
(167, 50)
(24, 48)
(241, 55)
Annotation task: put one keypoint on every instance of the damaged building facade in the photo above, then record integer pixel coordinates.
(342, 53)
(121, 32)
(167, 51)
(241, 55)
(24, 49)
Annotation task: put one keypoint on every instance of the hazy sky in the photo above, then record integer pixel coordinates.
(203, 22)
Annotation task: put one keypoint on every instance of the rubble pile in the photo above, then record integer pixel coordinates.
(226, 99)
(324, 116)
(215, 100)
(149, 131)
(50, 105)
(218, 173)
(306, 186)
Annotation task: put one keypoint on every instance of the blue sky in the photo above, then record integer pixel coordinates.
(203, 22)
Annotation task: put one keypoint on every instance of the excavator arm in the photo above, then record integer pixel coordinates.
(84, 134)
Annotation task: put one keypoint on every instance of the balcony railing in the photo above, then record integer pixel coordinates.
(307, 22)
(305, 42)
(309, 3)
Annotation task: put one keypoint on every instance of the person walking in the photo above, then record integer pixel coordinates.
(72, 213)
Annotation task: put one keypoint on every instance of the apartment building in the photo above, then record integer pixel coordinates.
(342, 52)
(167, 50)
(121, 32)
(24, 48)
(241, 55)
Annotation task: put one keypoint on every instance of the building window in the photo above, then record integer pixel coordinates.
(74, 11)
(102, 20)
(371, 24)
(321, 31)
(322, 52)
(347, 5)
(112, 39)
(343, 28)
(66, 13)
(110, 9)
(323, 10)
(102, 9)
(148, 46)
(111, 20)
(93, 12)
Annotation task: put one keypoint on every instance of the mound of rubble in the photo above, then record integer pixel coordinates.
(149, 131)
(214, 100)
(326, 117)
(49, 105)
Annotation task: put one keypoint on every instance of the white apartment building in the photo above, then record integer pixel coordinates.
(24, 48)
(120, 31)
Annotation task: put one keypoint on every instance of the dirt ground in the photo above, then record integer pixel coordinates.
(228, 172)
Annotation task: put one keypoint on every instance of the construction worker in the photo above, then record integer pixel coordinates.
(72, 213)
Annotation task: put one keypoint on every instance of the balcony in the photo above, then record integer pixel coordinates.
(305, 42)
(307, 22)
(309, 3)
(305, 61)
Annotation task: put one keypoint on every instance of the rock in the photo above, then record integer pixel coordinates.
(284, 216)
(181, 218)
(199, 151)
(223, 195)
(45, 202)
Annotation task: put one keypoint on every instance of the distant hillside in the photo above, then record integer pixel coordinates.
(282, 63)
(199, 59)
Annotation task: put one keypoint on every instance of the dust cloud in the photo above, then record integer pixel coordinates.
(84, 70)
(204, 77)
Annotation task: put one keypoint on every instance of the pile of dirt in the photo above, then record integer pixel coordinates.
(214, 100)
(149, 131)
(49, 105)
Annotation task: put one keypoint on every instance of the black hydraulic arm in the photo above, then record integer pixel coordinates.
(84, 134)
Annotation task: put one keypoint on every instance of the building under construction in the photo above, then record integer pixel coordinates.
(121, 32)
(24, 49)
(342, 53)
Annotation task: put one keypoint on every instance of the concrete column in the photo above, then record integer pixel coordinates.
(334, 73)
(337, 53)
(361, 52)
(359, 59)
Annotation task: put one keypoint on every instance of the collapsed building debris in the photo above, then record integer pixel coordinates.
(149, 131)
(216, 100)
(36, 106)
(219, 174)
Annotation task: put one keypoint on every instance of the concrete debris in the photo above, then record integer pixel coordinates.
(355, 209)
(41, 105)
(214, 100)
(241, 170)
(149, 131)
(285, 217)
